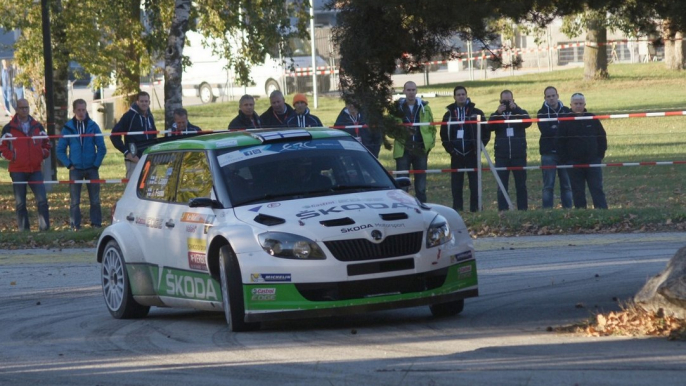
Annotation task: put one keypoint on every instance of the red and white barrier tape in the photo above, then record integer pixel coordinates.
(542, 167)
(600, 117)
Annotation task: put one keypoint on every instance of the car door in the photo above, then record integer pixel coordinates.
(186, 227)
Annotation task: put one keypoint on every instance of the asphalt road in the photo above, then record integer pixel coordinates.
(55, 329)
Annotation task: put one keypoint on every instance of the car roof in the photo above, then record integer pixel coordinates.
(243, 138)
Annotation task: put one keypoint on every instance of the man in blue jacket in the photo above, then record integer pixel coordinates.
(510, 147)
(81, 149)
(301, 116)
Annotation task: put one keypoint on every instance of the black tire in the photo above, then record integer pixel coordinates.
(116, 288)
(447, 309)
(271, 86)
(232, 292)
(205, 94)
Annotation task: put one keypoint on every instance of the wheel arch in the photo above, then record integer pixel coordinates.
(131, 248)
(213, 255)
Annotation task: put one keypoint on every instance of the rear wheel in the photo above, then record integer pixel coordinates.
(116, 287)
(232, 291)
(206, 95)
(447, 309)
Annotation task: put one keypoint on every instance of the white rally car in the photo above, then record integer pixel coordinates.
(277, 224)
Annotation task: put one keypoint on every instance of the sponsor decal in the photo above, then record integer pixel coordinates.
(274, 205)
(196, 245)
(380, 225)
(356, 228)
(197, 260)
(150, 222)
(463, 256)
(305, 214)
(255, 209)
(465, 272)
(188, 286)
(191, 228)
(319, 204)
(269, 277)
(262, 294)
(193, 217)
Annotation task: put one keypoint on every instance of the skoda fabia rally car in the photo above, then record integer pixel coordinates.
(277, 224)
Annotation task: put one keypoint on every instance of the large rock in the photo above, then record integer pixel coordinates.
(667, 290)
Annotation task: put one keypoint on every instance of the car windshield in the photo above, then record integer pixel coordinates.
(308, 168)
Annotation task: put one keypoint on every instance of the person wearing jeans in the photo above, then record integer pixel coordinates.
(580, 142)
(25, 152)
(83, 139)
(548, 124)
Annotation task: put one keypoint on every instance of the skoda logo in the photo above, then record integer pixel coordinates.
(377, 235)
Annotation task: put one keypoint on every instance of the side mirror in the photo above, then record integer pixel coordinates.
(403, 183)
(205, 202)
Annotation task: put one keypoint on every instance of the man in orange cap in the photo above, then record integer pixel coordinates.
(302, 116)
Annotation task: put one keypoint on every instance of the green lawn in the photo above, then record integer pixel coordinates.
(645, 197)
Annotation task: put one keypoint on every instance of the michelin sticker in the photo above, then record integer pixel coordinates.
(269, 277)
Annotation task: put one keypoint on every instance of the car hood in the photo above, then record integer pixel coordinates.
(337, 217)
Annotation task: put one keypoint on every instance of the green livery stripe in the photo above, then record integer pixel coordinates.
(149, 279)
(285, 296)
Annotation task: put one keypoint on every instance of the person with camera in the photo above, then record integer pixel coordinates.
(510, 147)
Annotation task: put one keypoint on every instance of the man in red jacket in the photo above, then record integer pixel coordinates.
(26, 155)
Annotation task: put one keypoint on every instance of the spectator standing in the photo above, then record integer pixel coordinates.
(247, 118)
(510, 147)
(83, 156)
(411, 152)
(181, 126)
(583, 141)
(552, 108)
(301, 116)
(26, 156)
(278, 113)
(352, 116)
(137, 120)
(7, 86)
(460, 141)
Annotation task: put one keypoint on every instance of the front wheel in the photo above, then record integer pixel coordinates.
(447, 309)
(116, 287)
(232, 291)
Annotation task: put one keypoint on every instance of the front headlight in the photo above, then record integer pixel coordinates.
(290, 246)
(438, 232)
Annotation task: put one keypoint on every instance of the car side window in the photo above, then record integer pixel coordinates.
(158, 179)
(195, 178)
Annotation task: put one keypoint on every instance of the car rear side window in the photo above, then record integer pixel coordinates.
(158, 179)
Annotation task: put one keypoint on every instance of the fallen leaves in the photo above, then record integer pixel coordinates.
(630, 321)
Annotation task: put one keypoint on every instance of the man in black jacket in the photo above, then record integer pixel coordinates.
(459, 140)
(247, 118)
(138, 120)
(181, 126)
(278, 113)
(582, 142)
(551, 109)
(510, 147)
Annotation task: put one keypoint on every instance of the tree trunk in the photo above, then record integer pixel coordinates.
(129, 72)
(60, 62)
(595, 52)
(674, 47)
(173, 70)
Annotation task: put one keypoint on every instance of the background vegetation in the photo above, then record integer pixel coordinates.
(644, 198)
